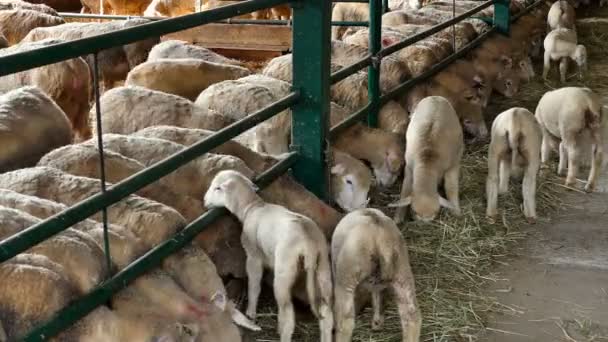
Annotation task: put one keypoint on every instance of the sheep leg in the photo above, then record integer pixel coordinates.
(545, 147)
(451, 188)
(504, 175)
(345, 313)
(378, 318)
(546, 64)
(529, 189)
(572, 152)
(284, 278)
(563, 69)
(563, 160)
(325, 286)
(596, 162)
(405, 297)
(492, 181)
(406, 190)
(255, 270)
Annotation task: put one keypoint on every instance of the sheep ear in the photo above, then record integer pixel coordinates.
(338, 169)
(507, 62)
(404, 202)
(445, 203)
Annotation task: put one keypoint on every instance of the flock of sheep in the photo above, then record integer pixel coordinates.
(176, 94)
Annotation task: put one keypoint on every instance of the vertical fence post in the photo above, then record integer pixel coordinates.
(502, 16)
(311, 55)
(385, 6)
(373, 73)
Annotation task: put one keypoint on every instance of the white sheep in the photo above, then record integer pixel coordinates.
(561, 45)
(368, 251)
(129, 109)
(571, 116)
(350, 182)
(434, 149)
(150, 221)
(185, 77)
(285, 242)
(27, 20)
(516, 141)
(180, 49)
(31, 125)
(561, 14)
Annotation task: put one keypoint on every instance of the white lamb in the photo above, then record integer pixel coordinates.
(368, 250)
(560, 45)
(285, 242)
(572, 116)
(433, 152)
(516, 140)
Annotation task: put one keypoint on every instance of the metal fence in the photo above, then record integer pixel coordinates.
(309, 101)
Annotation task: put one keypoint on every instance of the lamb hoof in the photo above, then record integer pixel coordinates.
(531, 220)
(491, 219)
(377, 323)
(562, 172)
(589, 188)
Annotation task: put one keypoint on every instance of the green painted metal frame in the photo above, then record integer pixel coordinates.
(502, 16)
(373, 73)
(311, 76)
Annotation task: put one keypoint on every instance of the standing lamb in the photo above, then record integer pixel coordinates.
(368, 250)
(433, 152)
(285, 242)
(516, 140)
(31, 125)
(67, 83)
(561, 14)
(568, 116)
(561, 45)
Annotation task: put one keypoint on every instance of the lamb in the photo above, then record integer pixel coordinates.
(66, 82)
(570, 116)
(83, 160)
(284, 190)
(561, 14)
(180, 49)
(130, 109)
(185, 77)
(31, 125)
(350, 181)
(434, 149)
(150, 221)
(15, 24)
(516, 141)
(302, 245)
(19, 4)
(76, 252)
(368, 251)
(561, 44)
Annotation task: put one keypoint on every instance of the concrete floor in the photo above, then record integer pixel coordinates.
(558, 286)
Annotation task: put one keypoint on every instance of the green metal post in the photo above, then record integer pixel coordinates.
(373, 74)
(385, 7)
(311, 54)
(502, 15)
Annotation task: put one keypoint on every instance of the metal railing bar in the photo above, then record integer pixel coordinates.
(29, 237)
(58, 52)
(351, 69)
(349, 121)
(424, 34)
(526, 10)
(102, 293)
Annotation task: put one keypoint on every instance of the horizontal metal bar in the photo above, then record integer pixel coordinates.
(349, 121)
(419, 36)
(350, 23)
(58, 52)
(336, 1)
(526, 10)
(106, 16)
(351, 69)
(102, 293)
(435, 69)
(19, 243)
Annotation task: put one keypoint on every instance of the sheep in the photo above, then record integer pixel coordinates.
(561, 44)
(246, 95)
(347, 12)
(180, 49)
(15, 24)
(561, 14)
(516, 141)
(66, 82)
(303, 246)
(368, 251)
(350, 92)
(150, 221)
(499, 54)
(125, 247)
(434, 149)
(31, 124)
(350, 181)
(129, 109)
(570, 116)
(185, 77)
(76, 252)
(114, 63)
(284, 190)
(19, 4)
(83, 160)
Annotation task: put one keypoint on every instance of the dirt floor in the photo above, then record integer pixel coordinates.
(556, 287)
